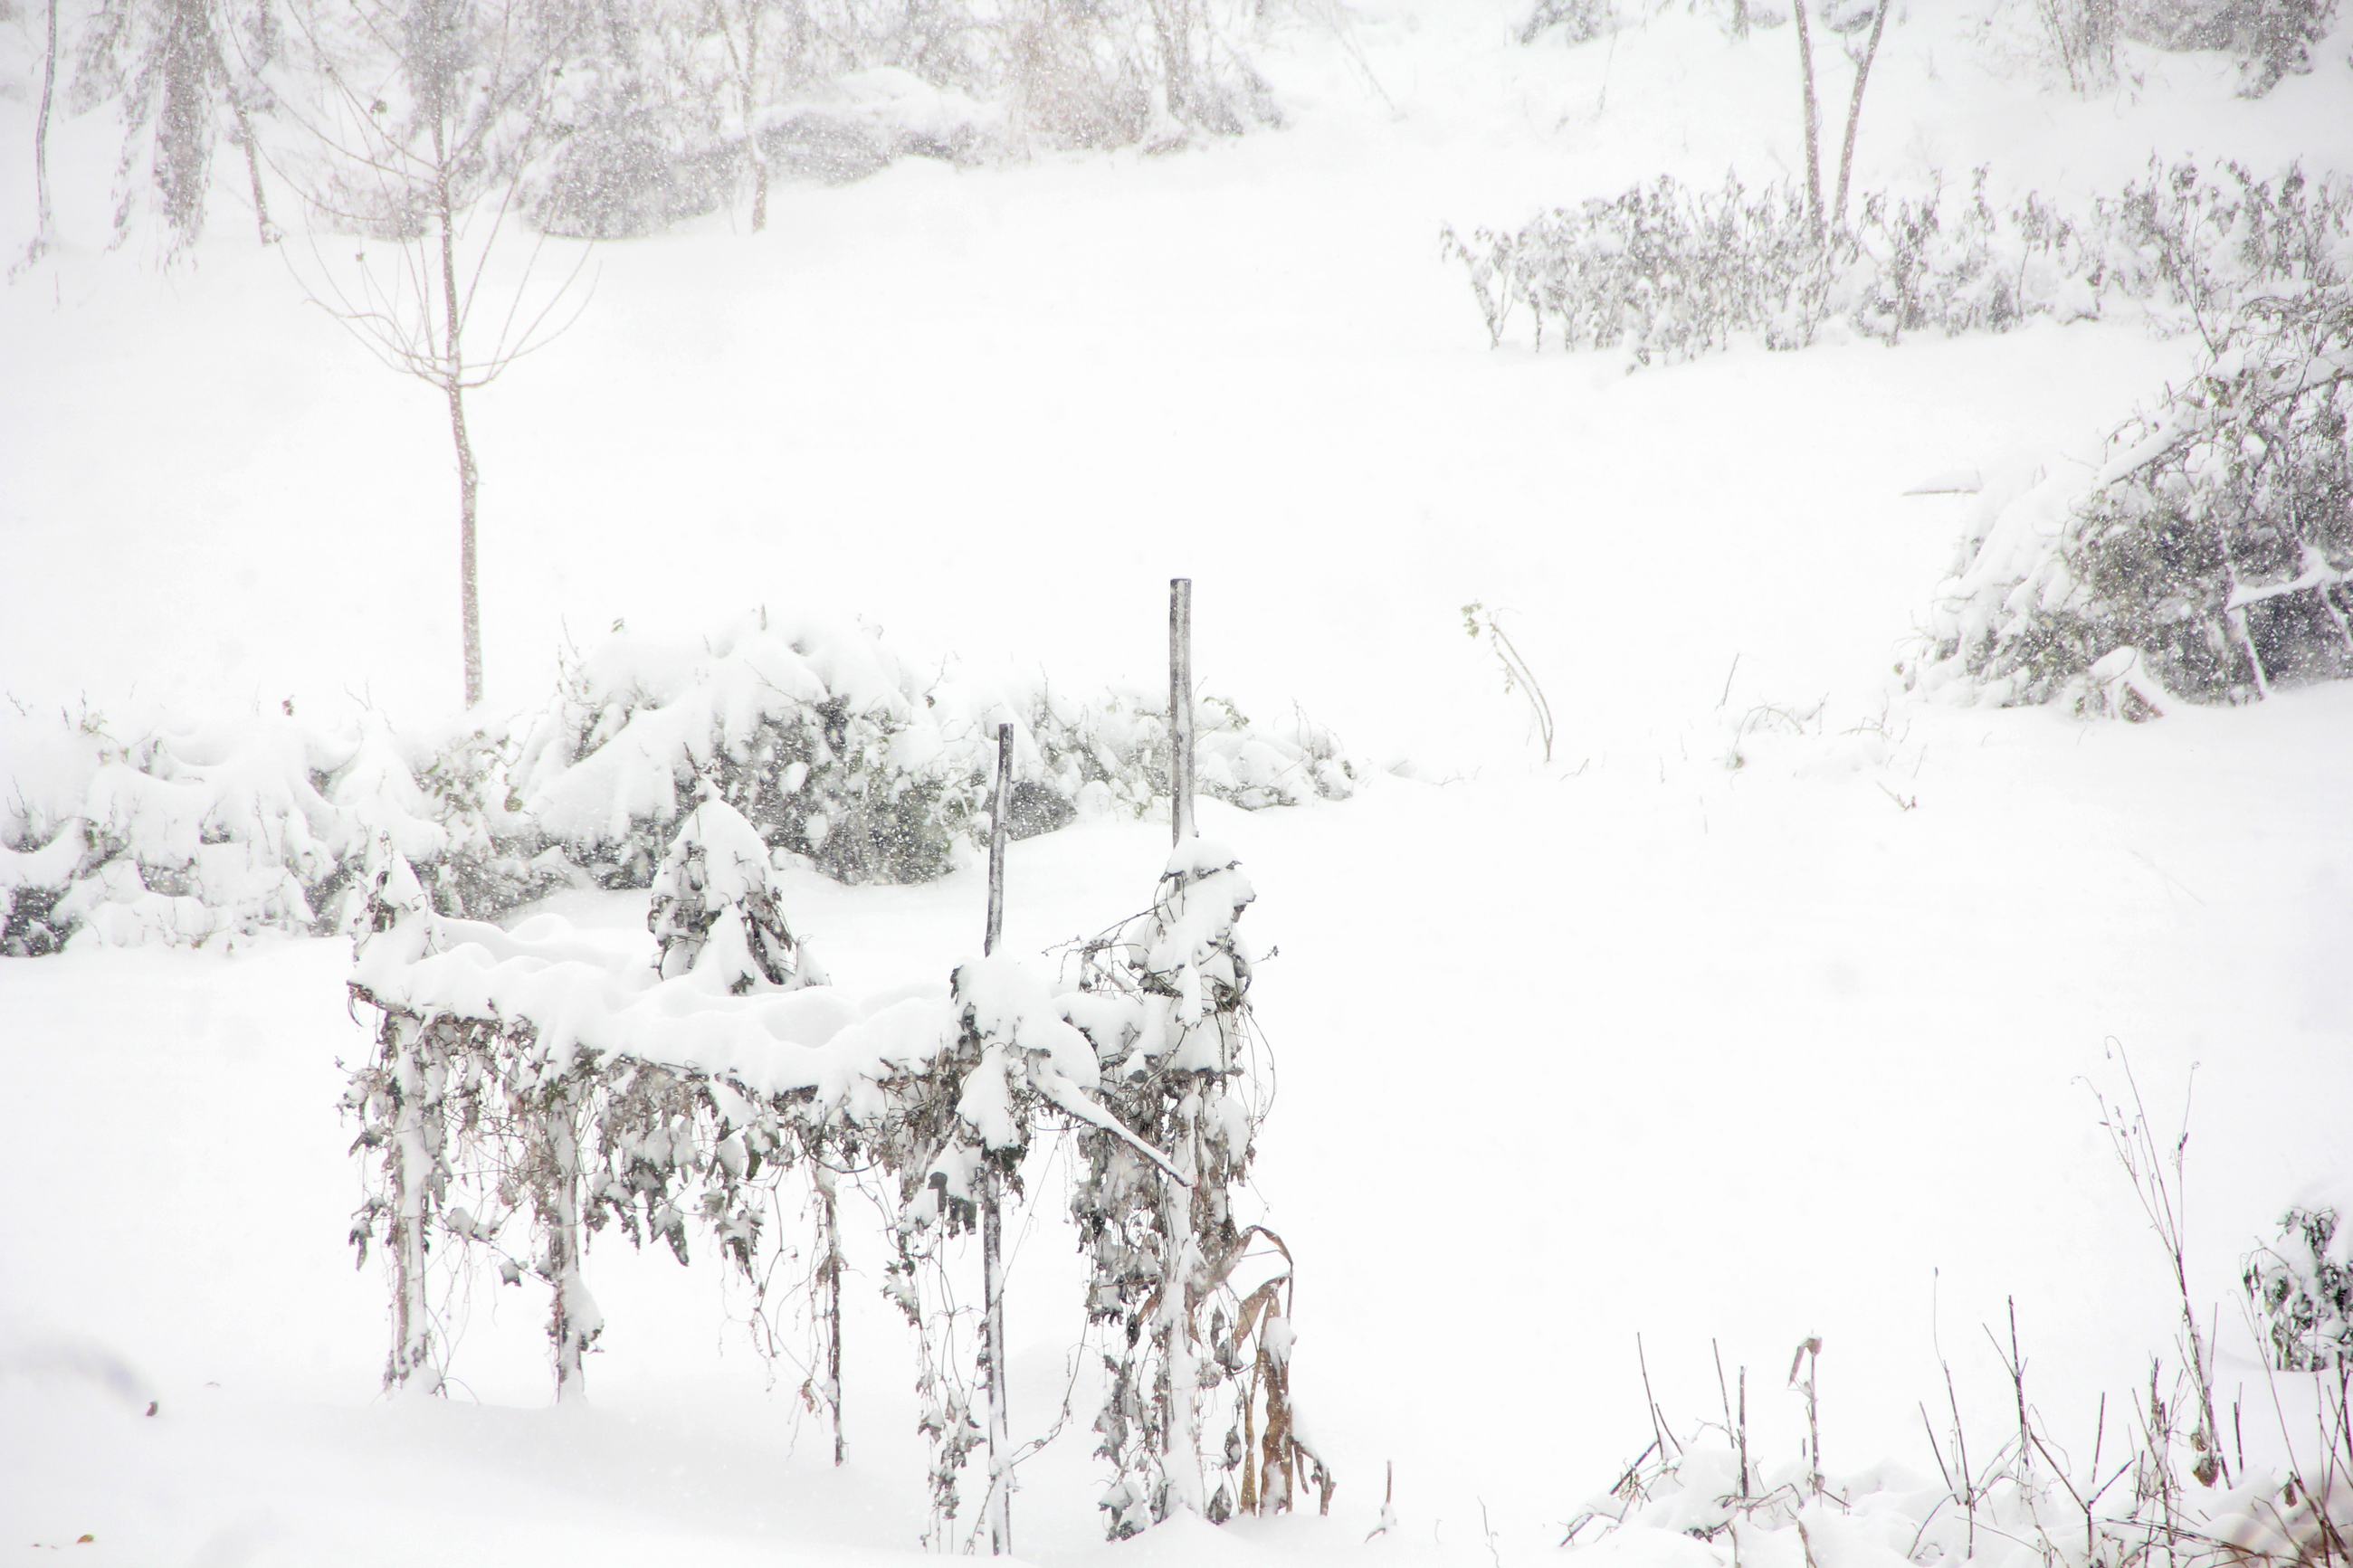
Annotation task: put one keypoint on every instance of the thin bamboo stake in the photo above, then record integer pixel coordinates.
(1180, 709)
(1000, 809)
(992, 1222)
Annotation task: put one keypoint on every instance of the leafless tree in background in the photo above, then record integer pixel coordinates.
(430, 110)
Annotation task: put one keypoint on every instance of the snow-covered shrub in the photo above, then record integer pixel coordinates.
(1163, 1000)
(1570, 21)
(829, 742)
(2213, 557)
(1110, 753)
(177, 836)
(1669, 272)
(2303, 1288)
(2271, 39)
(823, 737)
(633, 170)
(837, 747)
(190, 831)
(2082, 34)
(2208, 241)
(715, 912)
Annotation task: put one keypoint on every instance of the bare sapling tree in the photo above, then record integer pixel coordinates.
(431, 111)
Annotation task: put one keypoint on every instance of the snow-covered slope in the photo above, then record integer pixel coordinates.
(1764, 1012)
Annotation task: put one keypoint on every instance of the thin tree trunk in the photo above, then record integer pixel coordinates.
(1854, 110)
(1813, 124)
(469, 606)
(1172, 19)
(41, 132)
(453, 372)
(267, 230)
(751, 126)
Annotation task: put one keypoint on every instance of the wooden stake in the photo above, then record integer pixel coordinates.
(1000, 807)
(1180, 709)
(999, 1508)
(1000, 1441)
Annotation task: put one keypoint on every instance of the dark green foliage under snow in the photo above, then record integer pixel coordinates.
(2213, 559)
(834, 748)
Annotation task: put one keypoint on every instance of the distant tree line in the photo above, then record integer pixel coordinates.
(610, 117)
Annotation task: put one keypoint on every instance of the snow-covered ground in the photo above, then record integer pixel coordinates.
(1764, 1011)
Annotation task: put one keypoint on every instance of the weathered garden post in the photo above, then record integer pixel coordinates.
(1180, 1420)
(416, 1068)
(992, 1229)
(573, 1322)
(1180, 709)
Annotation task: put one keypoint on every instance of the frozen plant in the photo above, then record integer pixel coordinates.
(1480, 621)
(2301, 1288)
(715, 912)
(2212, 558)
(1162, 999)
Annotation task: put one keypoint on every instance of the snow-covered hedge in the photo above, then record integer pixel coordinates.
(837, 747)
(1669, 272)
(193, 831)
(2211, 558)
(832, 743)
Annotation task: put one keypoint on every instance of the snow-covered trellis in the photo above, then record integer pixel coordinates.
(529, 1088)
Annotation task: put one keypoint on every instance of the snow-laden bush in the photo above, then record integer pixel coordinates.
(832, 745)
(1669, 272)
(188, 832)
(837, 747)
(1569, 22)
(2271, 39)
(1194, 1365)
(829, 741)
(2210, 559)
(715, 913)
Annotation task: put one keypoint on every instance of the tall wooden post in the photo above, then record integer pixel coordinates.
(1000, 807)
(1180, 1420)
(1000, 1512)
(1180, 709)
